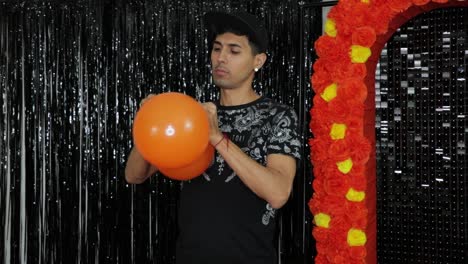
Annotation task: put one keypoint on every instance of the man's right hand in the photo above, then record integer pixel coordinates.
(137, 169)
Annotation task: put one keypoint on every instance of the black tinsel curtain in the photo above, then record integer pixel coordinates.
(71, 76)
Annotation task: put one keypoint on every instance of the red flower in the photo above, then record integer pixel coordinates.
(318, 128)
(320, 80)
(341, 68)
(320, 233)
(357, 213)
(399, 5)
(320, 258)
(357, 181)
(358, 169)
(357, 261)
(321, 246)
(338, 259)
(420, 2)
(317, 185)
(335, 205)
(337, 185)
(322, 64)
(341, 224)
(353, 89)
(349, 15)
(338, 150)
(357, 70)
(314, 204)
(361, 149)
(319, 103)
(364, 36)
(327, 46)
(357, 252)
(319, 149)
(379, 19)
(355, 125)
(340, 110)
(319, 113)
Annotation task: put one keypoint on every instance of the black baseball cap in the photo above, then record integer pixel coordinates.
(244, 22)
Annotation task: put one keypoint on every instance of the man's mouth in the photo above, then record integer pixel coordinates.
(220, 71)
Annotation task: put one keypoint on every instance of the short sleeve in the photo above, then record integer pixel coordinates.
(284, 136)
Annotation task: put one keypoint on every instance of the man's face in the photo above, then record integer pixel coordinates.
(232, 61)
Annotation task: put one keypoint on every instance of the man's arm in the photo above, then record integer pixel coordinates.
(272, 182)
(138, 169)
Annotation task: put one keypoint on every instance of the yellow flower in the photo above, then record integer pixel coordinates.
(365, 1)
(322, 220)
(360, 54)
(356, 237)
(330, 92)
(345, 166)
(330, 28)
(338, 131)
(355, 196)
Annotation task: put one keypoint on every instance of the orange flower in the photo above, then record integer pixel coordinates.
(364, 36)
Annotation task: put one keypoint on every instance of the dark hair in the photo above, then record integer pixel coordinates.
(220, 31)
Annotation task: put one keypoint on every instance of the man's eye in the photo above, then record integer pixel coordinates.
(235, 52)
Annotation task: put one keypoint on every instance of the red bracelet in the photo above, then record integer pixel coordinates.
(225, 136)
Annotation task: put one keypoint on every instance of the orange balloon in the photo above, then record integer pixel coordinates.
(194, 169)
(171, 130)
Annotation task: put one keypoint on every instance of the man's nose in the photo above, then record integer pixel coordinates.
(222, 57)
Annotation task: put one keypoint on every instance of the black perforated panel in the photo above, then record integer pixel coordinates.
(422, 130)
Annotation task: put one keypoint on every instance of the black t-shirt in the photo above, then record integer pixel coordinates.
(220, 219)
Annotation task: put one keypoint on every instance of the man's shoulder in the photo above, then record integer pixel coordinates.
(277, 107)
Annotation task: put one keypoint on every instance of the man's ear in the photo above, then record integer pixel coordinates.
(260, 60)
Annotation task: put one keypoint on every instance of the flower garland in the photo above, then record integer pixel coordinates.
(340, 149)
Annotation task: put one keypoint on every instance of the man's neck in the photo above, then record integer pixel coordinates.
(232, 97)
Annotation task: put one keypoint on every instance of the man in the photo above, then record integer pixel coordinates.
(228, 215)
